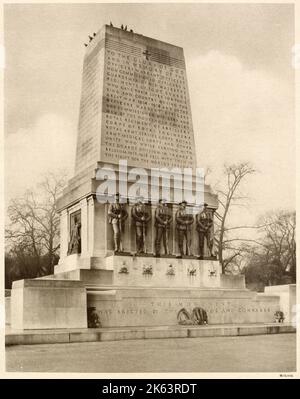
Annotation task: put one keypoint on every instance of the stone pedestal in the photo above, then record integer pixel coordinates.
(148, 271)
(163, 272)
(143, 291)
(147, 291)
(44, 304)
(287, 299)
(97, 241)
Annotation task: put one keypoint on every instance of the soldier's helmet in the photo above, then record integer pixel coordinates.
(140, 198)
(162, 201)
(117, 196)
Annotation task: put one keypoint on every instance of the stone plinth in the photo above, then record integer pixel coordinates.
(80, 262)
(163, 272)
(287, 302)
(160, 306)
(148, 271)
(44, 303)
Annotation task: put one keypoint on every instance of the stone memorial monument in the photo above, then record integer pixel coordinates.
(135, 107)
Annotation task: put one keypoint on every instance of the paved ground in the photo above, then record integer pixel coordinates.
(262, 353)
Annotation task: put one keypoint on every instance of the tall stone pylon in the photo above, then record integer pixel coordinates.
(134, 103)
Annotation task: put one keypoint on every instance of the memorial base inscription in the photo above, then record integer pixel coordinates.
(121, 307)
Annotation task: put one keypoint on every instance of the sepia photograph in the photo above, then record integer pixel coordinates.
(149, 206)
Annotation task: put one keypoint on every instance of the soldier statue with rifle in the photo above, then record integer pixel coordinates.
(117, 215)
(163, 219)
(204, 226)
(184, 221)
(141, 216)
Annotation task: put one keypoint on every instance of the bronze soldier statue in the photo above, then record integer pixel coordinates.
(117, 215)
(74, 246)
(162, 223)
(141, 216)
(184, 223)
(204, 226)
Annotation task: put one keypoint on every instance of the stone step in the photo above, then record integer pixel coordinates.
(92, 276)
(148, 271)
(31, 337)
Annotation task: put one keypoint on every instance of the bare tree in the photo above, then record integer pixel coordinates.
(279, 239)
(274, 260)
(34, 225)
(235, 174)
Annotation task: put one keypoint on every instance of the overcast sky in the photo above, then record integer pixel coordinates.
(239, 72)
